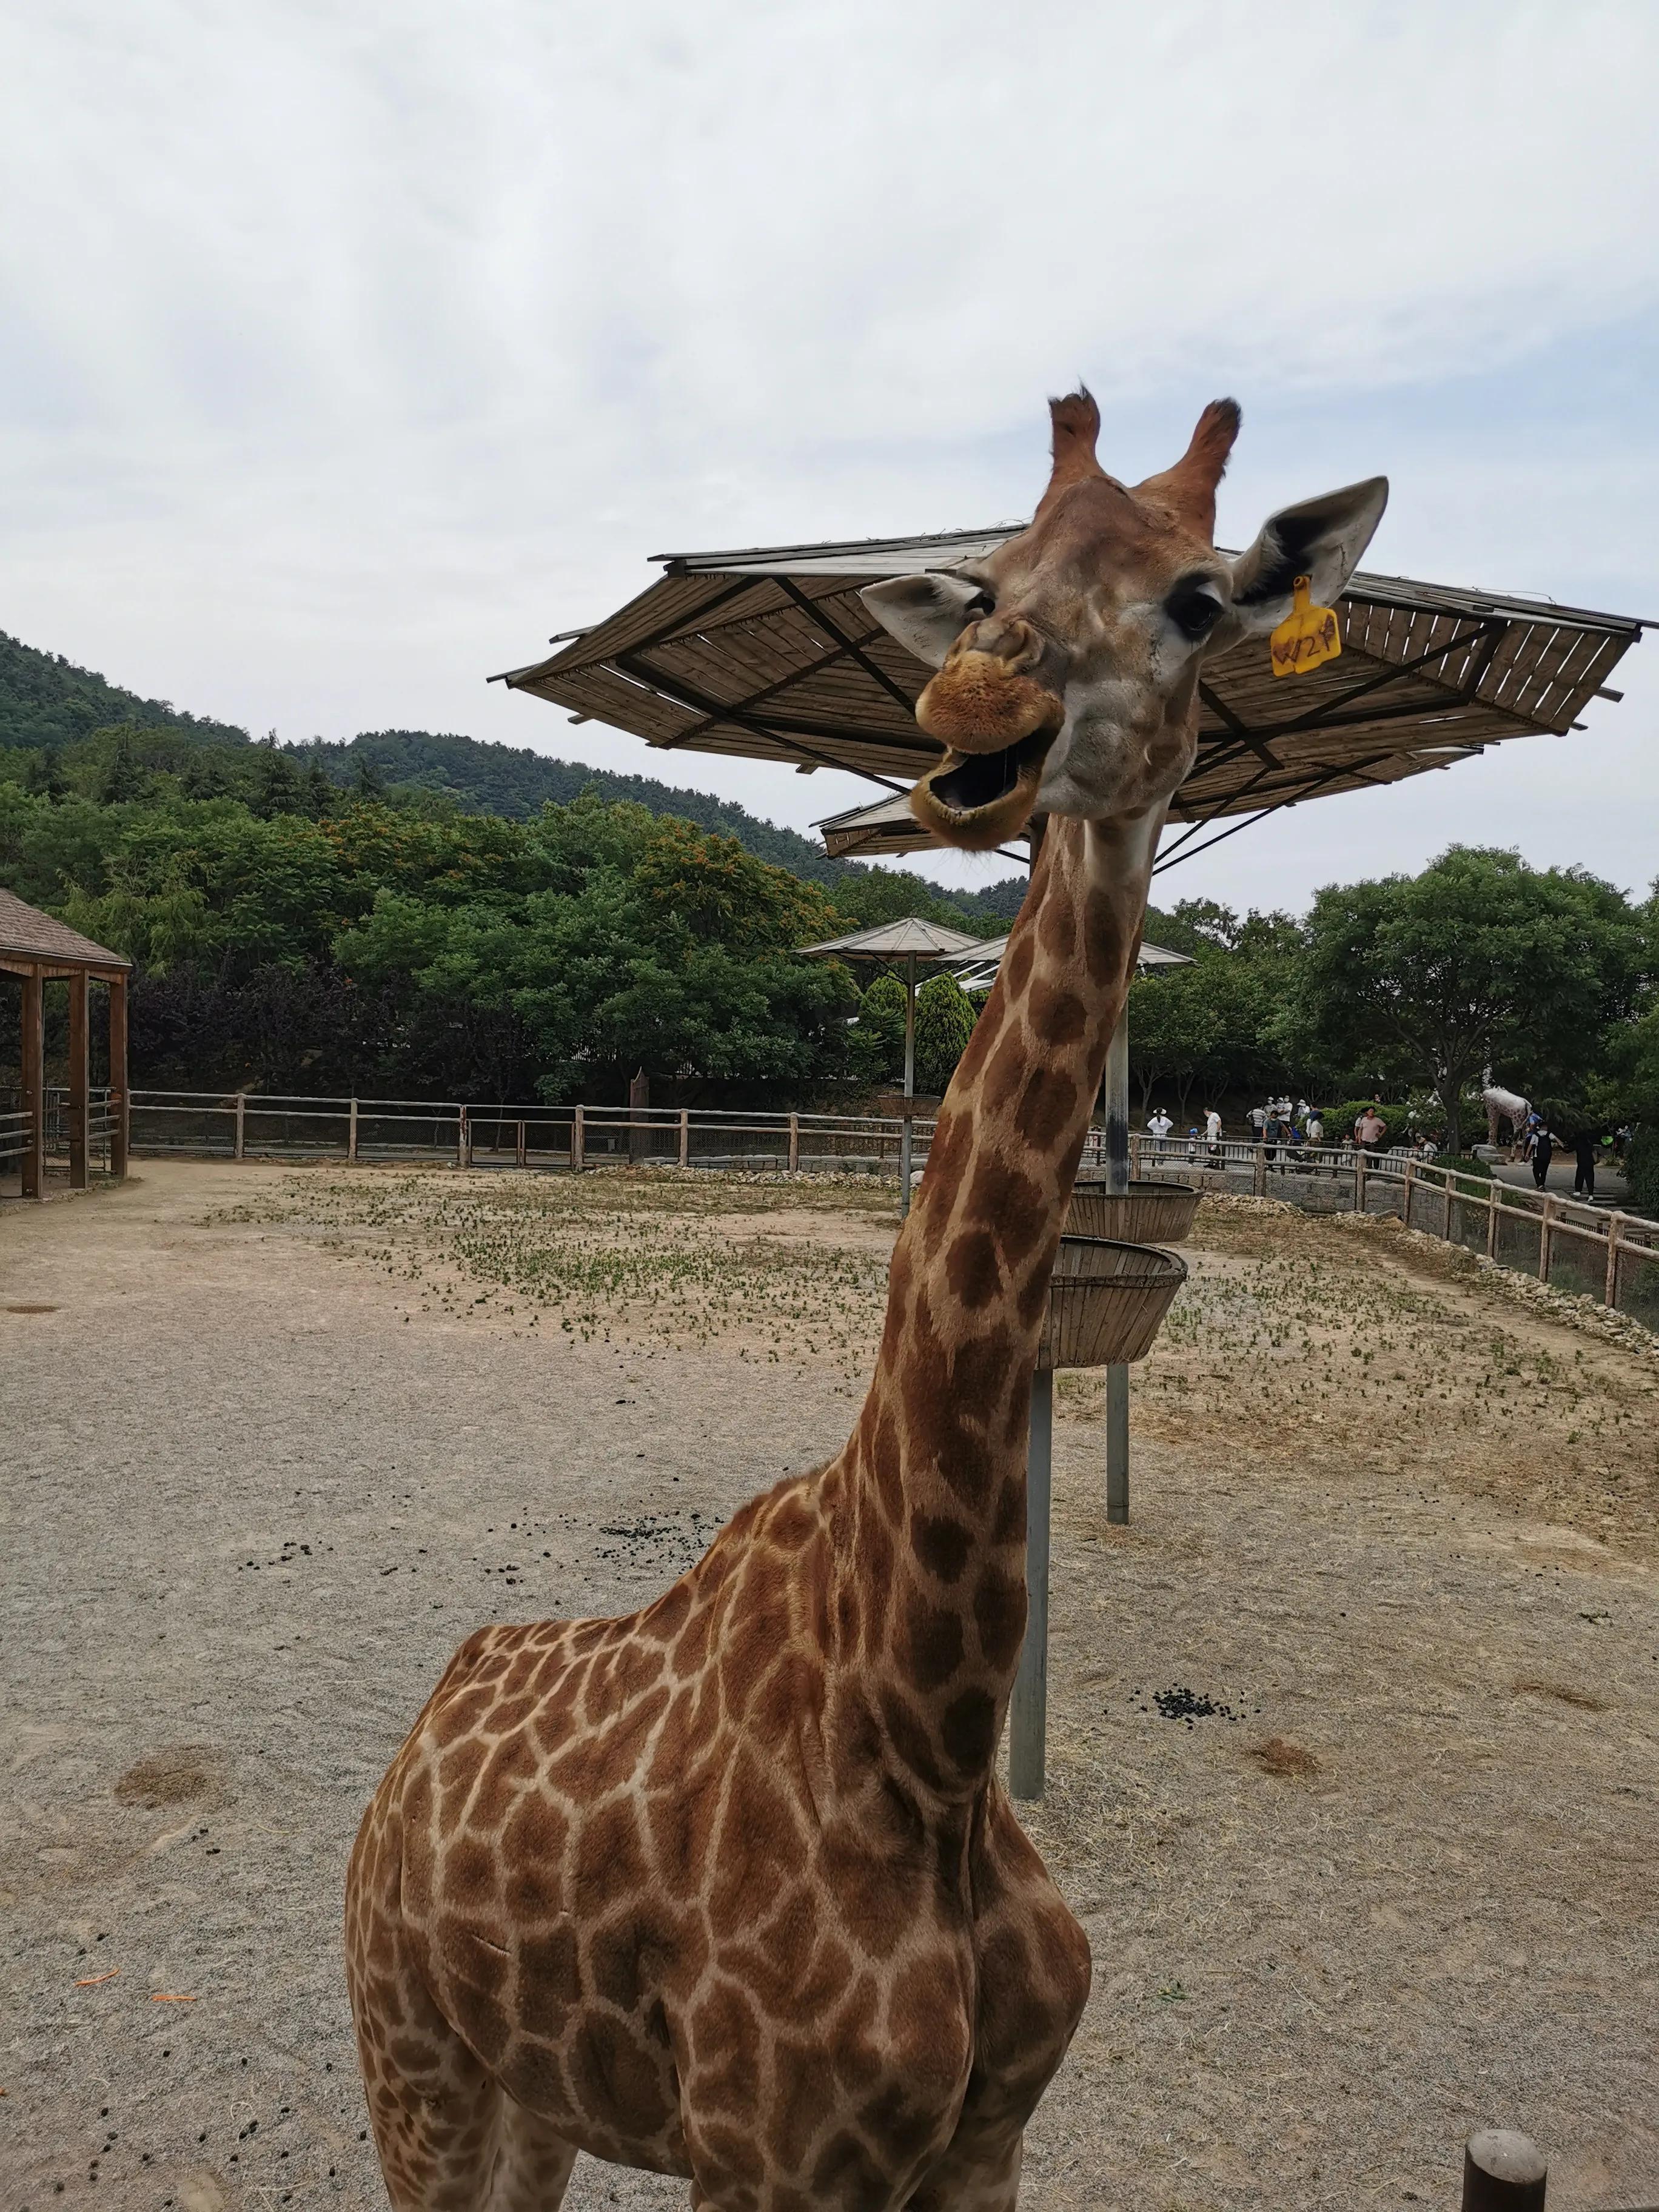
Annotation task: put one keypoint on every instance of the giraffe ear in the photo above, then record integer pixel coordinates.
(1321, 539)
(1189, 486)
(926, 614)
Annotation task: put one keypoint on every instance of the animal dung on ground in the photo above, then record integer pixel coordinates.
(1179, 1703)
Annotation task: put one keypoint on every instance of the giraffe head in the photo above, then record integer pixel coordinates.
(1067, 661)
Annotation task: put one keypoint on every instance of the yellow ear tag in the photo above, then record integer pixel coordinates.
(1307, 635)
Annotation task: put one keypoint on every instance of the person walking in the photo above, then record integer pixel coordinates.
(1212, 1135)
(1258, 1122)
(1583, 1153)
(1316, 1127)
(1543, 1150)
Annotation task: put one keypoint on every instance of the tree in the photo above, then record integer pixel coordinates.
(944, 1022)
(877, 1041)
(46, 774)
(1174, 1029)
(123, 779)
(277, 788)
(1479, 962)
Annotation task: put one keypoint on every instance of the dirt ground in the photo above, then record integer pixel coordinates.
(1352, 1732)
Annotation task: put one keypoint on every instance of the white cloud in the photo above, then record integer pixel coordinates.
(348, 353)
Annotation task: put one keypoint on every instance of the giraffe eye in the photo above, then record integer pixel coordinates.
(1194, 607)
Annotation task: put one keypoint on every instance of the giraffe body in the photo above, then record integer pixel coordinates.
(728, 1887)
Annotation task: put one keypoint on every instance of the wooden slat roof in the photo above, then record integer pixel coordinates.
(29, 934)
(769, 652)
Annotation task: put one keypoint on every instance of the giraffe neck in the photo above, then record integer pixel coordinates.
(931, 1608)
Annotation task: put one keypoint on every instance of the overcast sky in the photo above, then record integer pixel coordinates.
(345, 353)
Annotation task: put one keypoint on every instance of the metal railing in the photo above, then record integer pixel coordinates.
(17, 1134)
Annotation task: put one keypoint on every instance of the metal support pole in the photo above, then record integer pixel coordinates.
(1028, 1711)
(1503, 2172)
(80, 1083)
(120, 1101)
(909, 1088)
(1117, 1182)
(34, 1085)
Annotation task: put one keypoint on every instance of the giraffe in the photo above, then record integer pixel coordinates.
(728, 1888)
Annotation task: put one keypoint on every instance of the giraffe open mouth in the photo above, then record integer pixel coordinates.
(975, 800)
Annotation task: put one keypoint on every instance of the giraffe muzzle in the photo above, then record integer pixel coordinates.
(975, 799)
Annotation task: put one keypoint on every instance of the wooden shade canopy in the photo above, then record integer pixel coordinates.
(38, 949)
(770, 654)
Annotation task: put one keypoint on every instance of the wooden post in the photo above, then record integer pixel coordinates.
(80, 1082)
(1027, 1709)
(521, 1151)
(463, 1139)
(1446, 1193)
(1492, 1211)
(685, 1136)
(1610, 1296)
(34, 1085)
(794, 1144)
(241, 1125)
(576, 1145)
(120, 1102)
(1503, 2172)
(1259, 1167)
(1546, 1228)
(1117, 1378)
(639, 1102)
(1359, 1171)
(1411, 1185)
(351, 1133)
(909, 1088)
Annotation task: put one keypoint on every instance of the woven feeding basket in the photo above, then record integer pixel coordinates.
(1106, 1302)
(1145, 1213)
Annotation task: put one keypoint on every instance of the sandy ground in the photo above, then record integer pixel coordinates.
(1352, 1732)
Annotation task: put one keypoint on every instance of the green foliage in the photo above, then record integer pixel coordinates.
(944, 1022)
(1464, 1164)
(878, 1036)
(1479, 961)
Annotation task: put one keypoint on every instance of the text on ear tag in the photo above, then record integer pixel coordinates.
(1307, 635)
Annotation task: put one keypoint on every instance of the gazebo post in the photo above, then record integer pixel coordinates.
(35, 1084)
(119, 1105)
(907, 1126)
(80, 1092)
(1117, 1182)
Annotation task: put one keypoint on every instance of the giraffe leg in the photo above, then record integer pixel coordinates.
(1034, 1982)
(449, 2137)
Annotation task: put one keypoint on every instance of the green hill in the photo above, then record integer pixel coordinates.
(49, 705)
(46, 700)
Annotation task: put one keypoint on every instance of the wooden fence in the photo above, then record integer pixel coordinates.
(1592, 1251)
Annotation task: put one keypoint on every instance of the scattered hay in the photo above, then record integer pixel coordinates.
(1530, 1687)
(1290, 1761)
(178, 1776)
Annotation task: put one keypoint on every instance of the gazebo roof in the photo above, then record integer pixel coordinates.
(769, 652)
(37, 940)
(908, 938)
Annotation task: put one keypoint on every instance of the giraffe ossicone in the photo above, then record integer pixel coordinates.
(728, 1888)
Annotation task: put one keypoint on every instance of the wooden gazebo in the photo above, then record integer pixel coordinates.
(39, 950)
